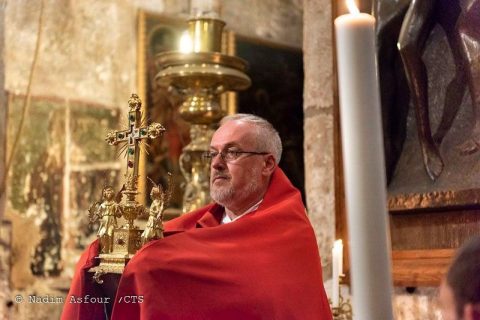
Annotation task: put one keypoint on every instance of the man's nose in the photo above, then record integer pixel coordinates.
(218, 162)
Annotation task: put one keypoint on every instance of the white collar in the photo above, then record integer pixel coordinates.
(226, 219)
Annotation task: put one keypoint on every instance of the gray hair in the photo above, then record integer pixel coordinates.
(268, 139)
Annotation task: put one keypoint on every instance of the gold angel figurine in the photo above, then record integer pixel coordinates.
(107, 211)
(154, 228)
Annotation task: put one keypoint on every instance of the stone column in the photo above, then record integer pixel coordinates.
(319, 124)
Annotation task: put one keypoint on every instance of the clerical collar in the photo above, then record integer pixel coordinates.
(226, 219)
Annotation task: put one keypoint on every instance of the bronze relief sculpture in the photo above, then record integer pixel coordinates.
(459, 19)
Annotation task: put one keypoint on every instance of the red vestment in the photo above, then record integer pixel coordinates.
(263, 266)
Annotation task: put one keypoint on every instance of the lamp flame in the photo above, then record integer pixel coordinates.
(186, 45)
(352, 7)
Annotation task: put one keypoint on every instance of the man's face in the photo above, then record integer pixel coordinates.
(236, 184)
(447, 302)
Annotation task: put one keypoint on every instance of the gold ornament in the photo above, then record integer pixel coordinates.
(118, 244)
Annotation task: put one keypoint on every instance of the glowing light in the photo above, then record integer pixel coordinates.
(352, 7)
(186, 44)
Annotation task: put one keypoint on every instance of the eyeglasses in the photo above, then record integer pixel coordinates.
(229, 155)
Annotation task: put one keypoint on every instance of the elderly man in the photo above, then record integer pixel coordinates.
(459, 296)
(252, 254)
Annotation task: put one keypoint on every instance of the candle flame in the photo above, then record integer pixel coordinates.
(352, 7)
(186, 44)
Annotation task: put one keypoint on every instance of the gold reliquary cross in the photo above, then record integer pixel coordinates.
(119, 243)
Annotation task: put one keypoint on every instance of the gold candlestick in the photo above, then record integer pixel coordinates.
(344, 309)
(200, 76)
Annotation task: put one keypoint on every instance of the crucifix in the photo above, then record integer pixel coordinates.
(120, 243)
(134, 135)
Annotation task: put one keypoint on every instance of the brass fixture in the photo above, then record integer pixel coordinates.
(200, 75)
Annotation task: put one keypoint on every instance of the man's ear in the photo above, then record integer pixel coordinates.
(471, 311)
(269, 165)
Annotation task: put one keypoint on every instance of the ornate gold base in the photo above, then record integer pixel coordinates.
(125, 243)
(343, 311)
(109, 264)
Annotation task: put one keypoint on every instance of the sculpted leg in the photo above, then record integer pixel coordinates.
(470, 48)
(416, 27)
(448, 14)
(394, 92)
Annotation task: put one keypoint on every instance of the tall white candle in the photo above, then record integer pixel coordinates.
(339, 244)
(336, 271)
(364, 167)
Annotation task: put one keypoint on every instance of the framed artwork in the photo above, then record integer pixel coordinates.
(276, 94)
(159, 34)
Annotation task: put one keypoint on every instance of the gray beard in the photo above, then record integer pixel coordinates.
(222, 196)
(227, 195)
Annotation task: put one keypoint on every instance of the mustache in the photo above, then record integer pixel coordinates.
(217, 174)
